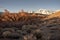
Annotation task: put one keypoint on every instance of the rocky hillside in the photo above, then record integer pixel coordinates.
(56, 14)
(29, 26)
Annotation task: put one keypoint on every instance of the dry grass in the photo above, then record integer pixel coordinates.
(29, 26)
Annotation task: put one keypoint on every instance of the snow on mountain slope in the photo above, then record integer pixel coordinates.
(44, 11)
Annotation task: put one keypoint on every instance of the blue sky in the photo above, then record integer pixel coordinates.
(16, 5)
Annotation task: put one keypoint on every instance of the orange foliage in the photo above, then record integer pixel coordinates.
(17, 16)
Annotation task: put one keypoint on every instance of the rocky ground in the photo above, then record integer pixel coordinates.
(24, 26)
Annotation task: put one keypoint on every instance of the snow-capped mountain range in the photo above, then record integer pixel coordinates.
(44, 11)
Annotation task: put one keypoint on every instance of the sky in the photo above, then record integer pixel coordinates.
(17, 5)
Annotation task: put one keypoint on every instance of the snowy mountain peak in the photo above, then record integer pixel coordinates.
(44, 11)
